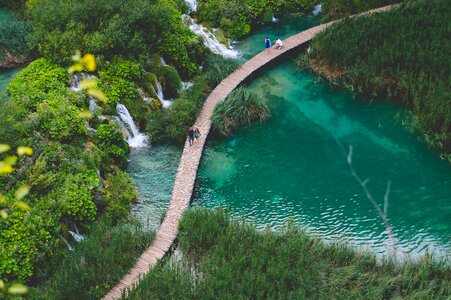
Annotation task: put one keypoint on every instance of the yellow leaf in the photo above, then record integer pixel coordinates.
(2, 199)
(4, 214)
(18, 289)
(76, 68)
(5, 169)
(89, 61)
(98, 94)
(77, 56)
(24, 151)
(10, 160)
(4, 148)
(23, 206)
(87, 83)
(22, 192)
(86, 114)
(2, 284)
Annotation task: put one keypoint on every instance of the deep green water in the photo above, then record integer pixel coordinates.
(5, 76)
(293, 166)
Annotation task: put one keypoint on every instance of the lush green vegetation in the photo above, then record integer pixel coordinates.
(109, 28)
(15, 36)
(335, 9)
(70, 175)
(238, 17)
(240, 108)
(96, 264)
(401, 55)
(171, 124)
(232, 260)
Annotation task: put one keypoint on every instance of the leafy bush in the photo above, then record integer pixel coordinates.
(335, 9)
(97, 263)
(110, 140)
(172, 82)
(118, 194)
(238, 109)
(217, 68)
(379, 56)
(37, 82)
(231, 260)
(14, 39)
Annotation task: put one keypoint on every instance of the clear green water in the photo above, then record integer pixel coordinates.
(5, 76)
(292, 166)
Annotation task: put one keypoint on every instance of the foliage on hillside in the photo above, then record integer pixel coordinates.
(336, 9)
(237, 17)
(400, 55)
(15, 36)
(109, 28)
(68, 175)
(240, 108)
(231, 260)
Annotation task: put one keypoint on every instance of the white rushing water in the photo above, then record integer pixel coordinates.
(192, 5)
(143, 96)
(317, 10)
(135, 138)
(210, 40)
(274, 19)
(165, 103)
(186, 85)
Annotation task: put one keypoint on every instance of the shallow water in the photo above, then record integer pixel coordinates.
(5, 76)
(293, 167)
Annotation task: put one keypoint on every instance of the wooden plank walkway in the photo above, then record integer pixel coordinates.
(187, 171)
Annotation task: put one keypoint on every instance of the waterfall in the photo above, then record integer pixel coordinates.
(274, 19)
(317, 10)
(69, 247)
(143, 96)
(76, 235)
(135, 138)
(186, 85)
(165, 103)
(192, 5)
(210, 40)
(77, 78)
(163, 62)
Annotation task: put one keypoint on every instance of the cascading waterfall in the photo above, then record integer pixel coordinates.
(210, 40)
(69, 247)
(76, 235)
(143, 96)
(135, 138)
(186, 85)
(93, 107)
(317, 9)
(160, 95)
(274, 19)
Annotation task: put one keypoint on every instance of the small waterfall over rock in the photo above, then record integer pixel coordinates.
(210, 40)
(69, 247)
(186, 85)
(274, 19)
(143, 96)
(317, 9)
(135, 138)
(76, 235)
(192, 5)
(160, 95)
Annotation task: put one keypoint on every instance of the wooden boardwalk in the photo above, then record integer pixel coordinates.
(187, 171)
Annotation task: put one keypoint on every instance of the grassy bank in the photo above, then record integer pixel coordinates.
(226, 259)
(96, 264)
(400, 56)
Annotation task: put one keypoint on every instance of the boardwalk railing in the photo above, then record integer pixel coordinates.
(187, 171)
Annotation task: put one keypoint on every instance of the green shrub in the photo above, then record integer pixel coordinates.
(38, 81)
(14, 39)
(110, 140)
(217, 68)
(334, 9)
(172, 82)
(118, 194)
(238, 109)
(96, 264)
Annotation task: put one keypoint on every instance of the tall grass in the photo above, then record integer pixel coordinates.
(96, 264)
(217, 68)
(401, 55)
(232, 260)
(240, 108)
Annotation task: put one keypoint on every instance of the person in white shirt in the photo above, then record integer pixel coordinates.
(278, 44)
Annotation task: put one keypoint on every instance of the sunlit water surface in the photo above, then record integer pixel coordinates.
(293, 167)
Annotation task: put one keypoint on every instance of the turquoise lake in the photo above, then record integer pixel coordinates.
(293, 167)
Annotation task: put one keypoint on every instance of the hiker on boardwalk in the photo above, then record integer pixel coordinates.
(278, 44)
(190, 134)
(197, 134)
(267, 43)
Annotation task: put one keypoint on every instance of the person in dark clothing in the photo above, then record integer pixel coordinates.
(190, 134)
(267, 43)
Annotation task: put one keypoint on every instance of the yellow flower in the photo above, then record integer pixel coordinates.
(89, 61)
(24, 151)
